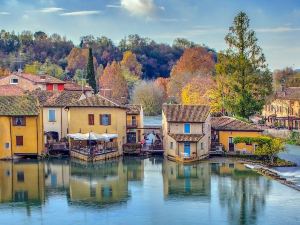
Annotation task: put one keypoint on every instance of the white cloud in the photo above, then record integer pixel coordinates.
(277, 29)
(140, 7)
(4, 13)
(51, 10)
(80, 13)
(113, 6)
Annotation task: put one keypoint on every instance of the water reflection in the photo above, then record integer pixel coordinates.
(141, 191)
(241, 191)
(98, 184)
(186, 180)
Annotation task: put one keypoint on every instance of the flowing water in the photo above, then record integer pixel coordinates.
(142, 191)
(292, 153)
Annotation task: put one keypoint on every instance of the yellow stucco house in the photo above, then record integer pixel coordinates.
(99, 115)
(224, 129)
(283, 110)
(186, 132)
(21, 127)
(134, 123)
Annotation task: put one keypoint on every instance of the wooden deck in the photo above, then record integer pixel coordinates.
(85, 156)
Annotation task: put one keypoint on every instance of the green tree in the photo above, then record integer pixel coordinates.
(270, 149)
(243, 67)
(91, 72)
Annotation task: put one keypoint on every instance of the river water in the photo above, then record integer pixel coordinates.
(142, 191)
(292, 153)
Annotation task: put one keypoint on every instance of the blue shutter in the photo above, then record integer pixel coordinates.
(187, 128)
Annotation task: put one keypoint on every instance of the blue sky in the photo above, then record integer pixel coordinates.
(277, 22)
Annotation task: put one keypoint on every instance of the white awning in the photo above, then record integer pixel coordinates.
(91, 136)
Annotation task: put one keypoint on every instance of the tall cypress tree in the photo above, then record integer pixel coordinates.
(91, 72)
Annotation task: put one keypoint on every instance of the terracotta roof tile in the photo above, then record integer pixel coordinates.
(95, 101)
(186, 137)
(57, 98)
(134, 109)
(70, 86)
(18, 106)
(11, 90)
(229, 123)
(39, 78)
(290, 93)
(186, 113)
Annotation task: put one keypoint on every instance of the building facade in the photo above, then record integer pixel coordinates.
(30, 82)
(186, 132)
(283, 110)
(224, 129)
(21, 127)
(134, 123)
(99, 115)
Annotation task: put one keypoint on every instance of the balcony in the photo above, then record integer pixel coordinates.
(132, 125)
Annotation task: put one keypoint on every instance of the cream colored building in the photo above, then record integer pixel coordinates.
(186, 132)
(55, 116)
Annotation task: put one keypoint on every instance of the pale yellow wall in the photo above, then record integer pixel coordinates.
(78, 121)
(178, 128)
(61, 123)
(224, 139)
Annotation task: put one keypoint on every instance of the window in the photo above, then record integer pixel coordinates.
(19, 121)
(105, 119)
(91, 119)
(51, 115)
(133, 120)
(21, 196)
(106, 192)
(187, 128)
(6, 145)
(201, 146)
(19, 140)
(14, 81)
(55, 87)
(20, 176)
(171, 145)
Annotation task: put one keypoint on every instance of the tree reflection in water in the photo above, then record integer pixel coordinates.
(241, 191)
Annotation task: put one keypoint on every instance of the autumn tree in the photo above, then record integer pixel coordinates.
(286, 77)
(90, 71)
(198, 90)
(243, 66)
(113, 83)
(162, 83)
(150, 96)
(130, 62)
(45, 68)
(194, 62)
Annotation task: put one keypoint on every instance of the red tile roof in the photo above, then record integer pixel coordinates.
(45, 79)
(290, 93)
(96, 101)
(186, 137)
(70, 86)
(25, 105)
(134, 109)
(225, 123)
(186, 113)
(11, 90)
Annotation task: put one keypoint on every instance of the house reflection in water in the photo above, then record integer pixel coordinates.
(183, 180)
(242, 191)
(22, 182)
(98, 184)
(135, 168)
(57, 176)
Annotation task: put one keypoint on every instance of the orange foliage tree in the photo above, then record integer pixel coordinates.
(162, 83)
(4, 71)
(194, 62)
(198, 90)
(112, 83)
(78, 59)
